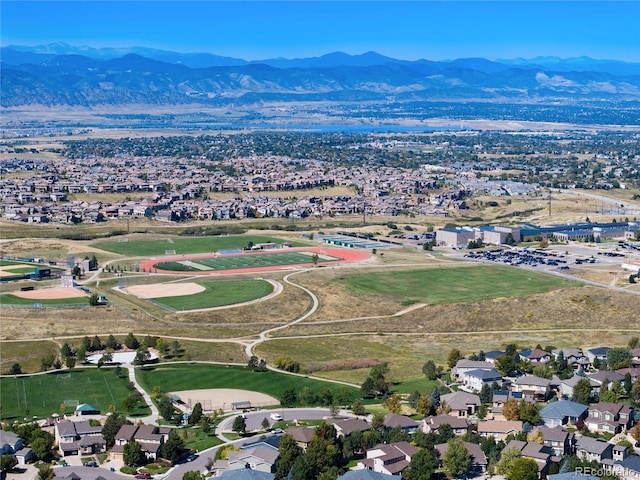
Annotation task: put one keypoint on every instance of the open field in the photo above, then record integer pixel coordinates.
(182, 245)
(213, 294)
(99, 387)
(453, 284)
(27, 354)
(193, 377)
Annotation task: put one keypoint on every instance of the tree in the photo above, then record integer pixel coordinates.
(16, 369)
(434, 398)
(96, 344)
(634, 342)
(453, 357)
(507, 459)
(582, 391)
(323, 451)
(42, 445)
(111, 427)
(265, 423)
(543, 371)
(524, 469)
(46, 473)
(314, 259)
(486, 394)
(505, 364)
(165, 407)
(301, 469)
(618, 357)
(192, 475)
(239, 425)
(635, 432)
(529, 412)
(7, 462)
(511, 409)
(424, 406)
(131, 342)
(132, 454)
(173, 448)
(393, 404)
(175, 348)
(358, 408)
(456, 459)
(429, 370)
(368, 388)
(94, 300)
(289, 397)
(422, 466)
(288, 453)
(205, 424)
(196, 414)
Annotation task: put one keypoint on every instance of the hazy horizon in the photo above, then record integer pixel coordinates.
(410, 30)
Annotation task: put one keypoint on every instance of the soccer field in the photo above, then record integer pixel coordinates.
(42, 395)
(247, 260)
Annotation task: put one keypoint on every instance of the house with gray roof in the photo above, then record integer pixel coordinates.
(366, 475)
(562, 412)
(346, 427)
(628, 469)
(606, 417)
(599, 353)
(557, 439)
(462, 404)
(79, 438)
(12, 444)
(572, 476)
(473, 380)
(532, 388)
(478, 458)
(246, 474)
(406, 424)
(432, 424)
(593, 449)
(541, 454)
(567, 385)
(390, 459)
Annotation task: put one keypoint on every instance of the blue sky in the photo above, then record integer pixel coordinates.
(254, 30)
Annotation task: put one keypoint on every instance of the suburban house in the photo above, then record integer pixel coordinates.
(406, 424)
(605, 377)
(246, 474)
(493, 355)
(391, 459)
(536, 356)
(599, 353)
(566, 386)
(573, 356)
(557, 439)
(499, 429)
(572, 476)
(541, 454)
(473, 380)
(593, 449)
(562, 412)
(629, 468)
(346, 427)
(79, 438)
(499, 399)
(532, 388)
(635, 357)
(366, 475)
(149, 437)
(261, 458)
(462, 404)
(464, 366)
(607, 417)
(12, 444)
(432, 424)
(302, 435)
(479, 461)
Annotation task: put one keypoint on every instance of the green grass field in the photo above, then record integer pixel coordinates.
(42, 395)
(218, 294)
(457, 284)
(184, 245)
(234, 262)
(172, 378)
(19, 269)
(9, 299)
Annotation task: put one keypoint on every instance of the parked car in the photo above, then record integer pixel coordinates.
(143, 475)
(91, 464)
(276, 416)
(191, 458)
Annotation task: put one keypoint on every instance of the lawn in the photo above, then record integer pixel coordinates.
(9, 299)
(42, 395)
(17, 270)
(249, 260)
(171, 378)
(183, 246)
(226, 292)
(455, 284)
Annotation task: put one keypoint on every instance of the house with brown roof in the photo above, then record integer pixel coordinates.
(150, 437)
(302, 435)
(478, 458)
(532, 388)
(593, 449)
(346, 427)
(499, 429)
(391, 459)
(432, 424)
(406, 424)
(79, 438)
(557, 439)
(541, 454)
(462, 404)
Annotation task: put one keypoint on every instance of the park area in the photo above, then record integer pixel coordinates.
(189, 296)
(453, 284)
(44, 297)
(43, 395)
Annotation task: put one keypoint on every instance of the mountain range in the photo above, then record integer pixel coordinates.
(59, 74)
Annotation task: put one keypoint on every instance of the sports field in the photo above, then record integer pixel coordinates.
(211, 294)
(456, 284)
(42, 395)
(138, 247)
(245, 260)
(11, 299)
(194, 377)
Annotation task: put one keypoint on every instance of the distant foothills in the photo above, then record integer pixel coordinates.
(60, 74)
